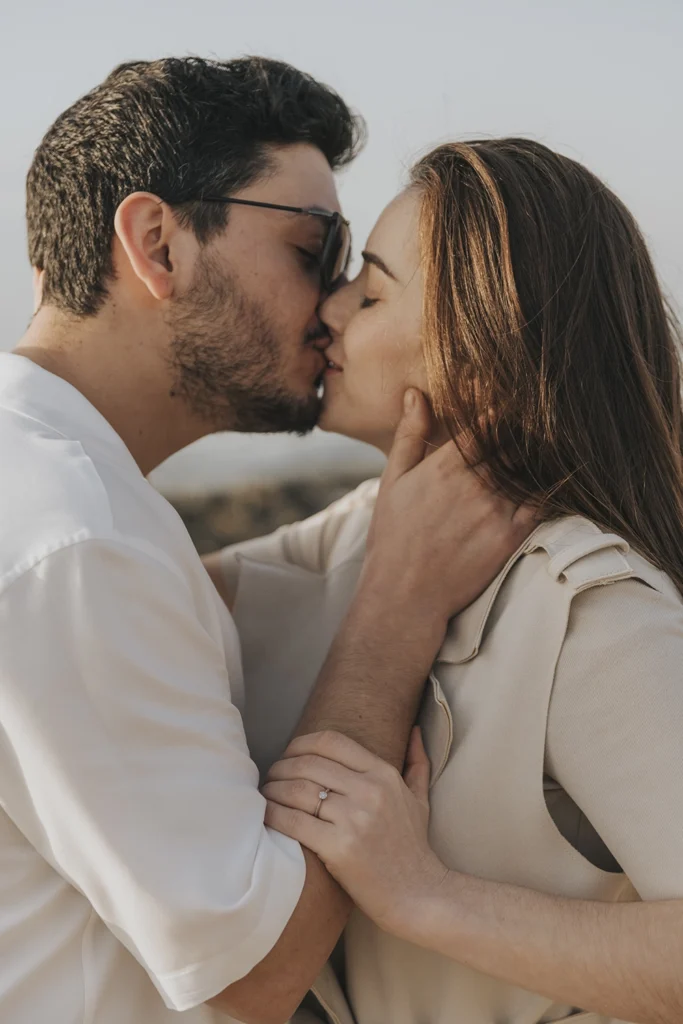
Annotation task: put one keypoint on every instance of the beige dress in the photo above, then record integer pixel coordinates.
(551, 794)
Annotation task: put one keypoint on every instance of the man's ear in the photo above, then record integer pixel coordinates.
(38, 274)
(146, 228)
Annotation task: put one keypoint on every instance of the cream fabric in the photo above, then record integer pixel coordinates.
(567, 666)
(136, 876)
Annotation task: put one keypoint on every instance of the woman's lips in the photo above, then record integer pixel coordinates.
(332, 367)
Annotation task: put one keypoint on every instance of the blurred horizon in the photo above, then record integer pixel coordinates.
(599, 81)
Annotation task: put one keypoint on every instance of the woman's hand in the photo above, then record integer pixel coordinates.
(371, 828)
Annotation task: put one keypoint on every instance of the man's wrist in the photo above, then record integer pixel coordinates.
(400, 605)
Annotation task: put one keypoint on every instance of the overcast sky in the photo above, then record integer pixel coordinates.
(600, 80)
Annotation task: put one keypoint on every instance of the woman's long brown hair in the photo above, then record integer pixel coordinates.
(547, 337)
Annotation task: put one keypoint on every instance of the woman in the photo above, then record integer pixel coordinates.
(515, 290)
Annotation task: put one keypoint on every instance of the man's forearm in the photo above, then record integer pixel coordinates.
(271, 992)
(622, 960)
(371, 683)
(369, 688)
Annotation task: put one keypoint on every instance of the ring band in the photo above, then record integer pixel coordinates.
(322, 795)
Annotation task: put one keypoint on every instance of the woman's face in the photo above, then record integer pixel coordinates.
(376, 325)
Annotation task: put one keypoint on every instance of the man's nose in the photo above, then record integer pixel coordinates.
(318, 335)
(323, 341)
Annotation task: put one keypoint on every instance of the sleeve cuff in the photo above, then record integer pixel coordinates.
(191, 986)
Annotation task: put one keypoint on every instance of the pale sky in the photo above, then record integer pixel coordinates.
(600, 80)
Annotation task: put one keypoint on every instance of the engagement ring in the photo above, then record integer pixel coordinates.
(322, 795)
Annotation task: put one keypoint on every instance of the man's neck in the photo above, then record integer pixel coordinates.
(121, 372)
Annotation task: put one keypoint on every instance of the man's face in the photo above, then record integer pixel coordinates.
(247, 342)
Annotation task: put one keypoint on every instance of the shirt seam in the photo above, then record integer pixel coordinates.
(84, 536)
(18, 571)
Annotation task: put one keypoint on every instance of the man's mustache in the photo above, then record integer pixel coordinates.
(317, 334)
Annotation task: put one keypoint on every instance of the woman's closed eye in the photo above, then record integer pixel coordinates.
(366, 303)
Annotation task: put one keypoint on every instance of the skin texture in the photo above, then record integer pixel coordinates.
(371, 683)
(372, 830)
(376, 327)
(372, 836)
(195, 353)
(195, 339)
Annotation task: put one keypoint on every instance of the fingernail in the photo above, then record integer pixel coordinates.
(409, 399)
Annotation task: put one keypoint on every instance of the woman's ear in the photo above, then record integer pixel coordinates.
(145, 228)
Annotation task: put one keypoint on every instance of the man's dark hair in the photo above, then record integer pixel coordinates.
(177, 127)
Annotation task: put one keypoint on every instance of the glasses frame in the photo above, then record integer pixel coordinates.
(335, 233)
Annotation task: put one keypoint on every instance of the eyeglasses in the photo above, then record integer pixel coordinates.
(336, 249)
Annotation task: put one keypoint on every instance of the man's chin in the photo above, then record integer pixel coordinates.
(282, 414)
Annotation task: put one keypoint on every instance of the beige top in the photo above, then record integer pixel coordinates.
(556, 691)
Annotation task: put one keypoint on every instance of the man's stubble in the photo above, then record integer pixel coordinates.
(227, 361)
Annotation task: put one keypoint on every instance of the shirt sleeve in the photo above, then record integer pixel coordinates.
(125, 764)
(309, 544)
(615, 728)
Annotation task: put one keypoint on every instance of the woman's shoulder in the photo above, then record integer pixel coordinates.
(578, 552)
(567, 561)
(615, 593)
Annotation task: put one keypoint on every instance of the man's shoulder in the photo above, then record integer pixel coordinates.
(53, 495)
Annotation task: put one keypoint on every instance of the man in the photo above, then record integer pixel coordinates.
(183, 223)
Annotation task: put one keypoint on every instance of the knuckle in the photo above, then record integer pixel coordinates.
(372, 797)
(326, 740)
(306, 764)
(388, 774)
(334, 744)
(361, 823)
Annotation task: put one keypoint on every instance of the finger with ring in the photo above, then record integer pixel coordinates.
(322, 795)
(300, 794)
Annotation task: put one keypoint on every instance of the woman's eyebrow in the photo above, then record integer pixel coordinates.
(377, 261)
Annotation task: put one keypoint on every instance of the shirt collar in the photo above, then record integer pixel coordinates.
(30, 390)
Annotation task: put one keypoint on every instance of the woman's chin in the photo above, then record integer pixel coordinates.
(333, 419)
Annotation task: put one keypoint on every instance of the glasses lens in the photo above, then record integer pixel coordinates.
(344, 251)
(336, 252)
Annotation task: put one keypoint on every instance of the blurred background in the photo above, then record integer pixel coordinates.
(600, 80)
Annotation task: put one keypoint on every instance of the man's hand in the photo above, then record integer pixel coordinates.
(439, 534)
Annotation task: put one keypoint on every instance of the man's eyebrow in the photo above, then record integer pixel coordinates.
(313, 226)
(377, 261)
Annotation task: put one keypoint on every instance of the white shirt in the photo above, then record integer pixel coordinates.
(136, 875)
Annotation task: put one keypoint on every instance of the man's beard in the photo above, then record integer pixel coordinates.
(226, 359)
